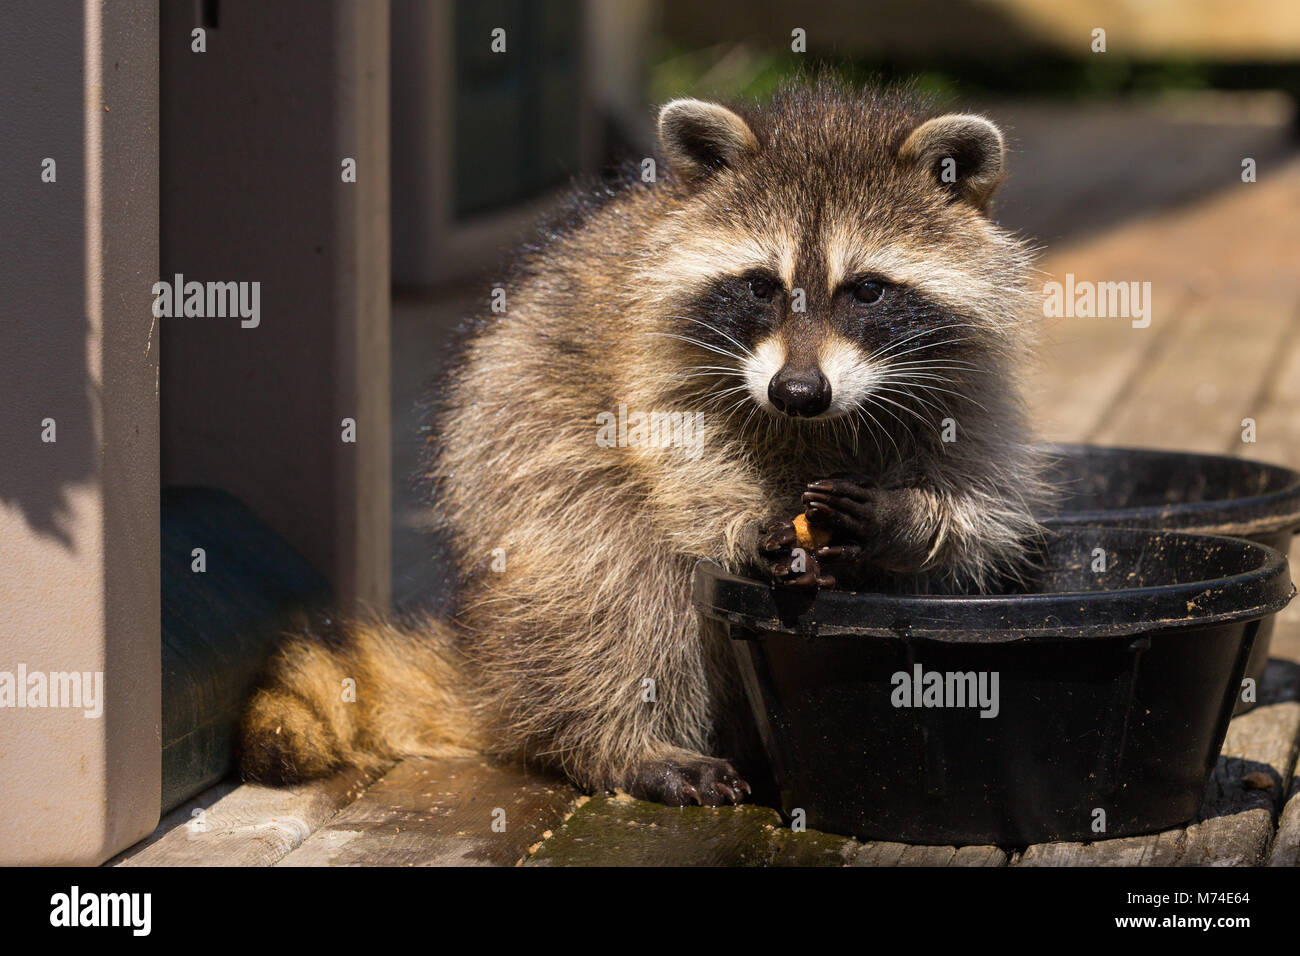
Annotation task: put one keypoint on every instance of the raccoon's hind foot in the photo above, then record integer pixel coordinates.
(691, 778)
(777, 544)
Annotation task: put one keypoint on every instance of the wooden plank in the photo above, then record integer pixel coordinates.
(880, 853)
(1253, 773)
(1086, 368)
(248, 825)
(1285, 645)
(1213, 371)
(1286, 845)
(176, 819)
(903, 854)
(1205, 379)
(617, 830)
(1277, 420)
(462, 811)
(1237, 838)
(1242, 240)
(1238, 240)
(927, 856)
(1126, 163)
(979, 856)
(811, 848)
(1155, 849)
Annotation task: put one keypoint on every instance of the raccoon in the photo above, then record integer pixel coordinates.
(818, 284)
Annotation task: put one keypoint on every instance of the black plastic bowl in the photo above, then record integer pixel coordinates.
(1115, 690)
(1180, 491)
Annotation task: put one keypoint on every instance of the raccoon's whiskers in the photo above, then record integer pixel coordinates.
(954, 365)
(745, 424)
(891, 350)
(727, 391)
(921, 376)
(893, 360)
(731, 413)
(733, 409)
(946, 391)
(720, 369)
(713, 328)
(700, 344)
(879, 428)
(905, 393)
(911, 411)
(880, 353)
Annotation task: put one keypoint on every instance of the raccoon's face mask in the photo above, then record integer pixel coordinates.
(881, 304)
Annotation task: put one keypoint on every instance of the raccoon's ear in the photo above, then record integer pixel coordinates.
(963, 152)
(700, 137)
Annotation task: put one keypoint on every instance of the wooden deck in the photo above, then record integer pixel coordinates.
(1223, 345)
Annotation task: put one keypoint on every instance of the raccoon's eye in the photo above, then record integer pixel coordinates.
(869, 291)
(761, 287)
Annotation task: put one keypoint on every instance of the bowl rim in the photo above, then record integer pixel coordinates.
(995, 618)
(1279, 510)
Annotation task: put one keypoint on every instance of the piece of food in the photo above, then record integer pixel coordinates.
(810, 538)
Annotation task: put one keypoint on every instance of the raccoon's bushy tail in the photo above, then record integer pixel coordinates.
(359, 692)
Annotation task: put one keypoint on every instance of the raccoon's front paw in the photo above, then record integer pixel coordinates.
(877, 526)
(788, 565)
(708, 781)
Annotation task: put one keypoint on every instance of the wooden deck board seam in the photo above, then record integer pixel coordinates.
(1270, 381)
(1163, 336)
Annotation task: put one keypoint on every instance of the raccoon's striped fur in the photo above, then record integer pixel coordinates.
(681, 295)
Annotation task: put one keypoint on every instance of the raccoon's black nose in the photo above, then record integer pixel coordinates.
(800, 393)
